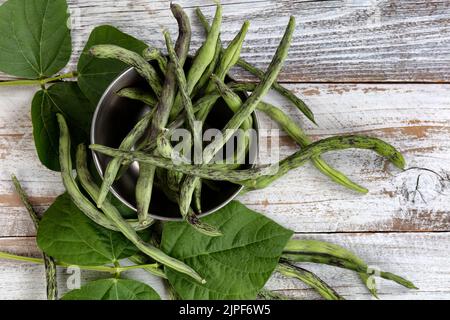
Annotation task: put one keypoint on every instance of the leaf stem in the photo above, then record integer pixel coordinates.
(112, 270)
(39, 82)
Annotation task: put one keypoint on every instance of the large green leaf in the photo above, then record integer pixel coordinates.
(236, 265)
(113, 289)
(67, 235)
(35, 41)
(65, 98)
(95, 75)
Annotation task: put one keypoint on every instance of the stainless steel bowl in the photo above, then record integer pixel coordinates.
(116, 116)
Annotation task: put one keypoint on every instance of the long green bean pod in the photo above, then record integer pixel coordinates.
(204, 80)
(242, 87)
(114, 215)
(271, 295)
(196, 131)
(297, 134)
(252, 102)
(151, 54)
(301, 105)
(228, 60)
(198, 196)
(202, 60)
(331, 254)
(309, 278)
(131, 58)
(233, 101)
(144, 186)
(259, 177)
(183, 89)
(114, 165)
(243, 113)
(292, 129)
(138, 94)
(49, 262)
(154, 270)
(72, 188)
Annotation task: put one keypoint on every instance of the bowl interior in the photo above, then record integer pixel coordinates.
(113, 120)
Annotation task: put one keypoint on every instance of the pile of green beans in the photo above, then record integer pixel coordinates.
(184, 99)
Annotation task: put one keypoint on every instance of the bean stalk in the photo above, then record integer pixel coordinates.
(309, 278)
(301, 105)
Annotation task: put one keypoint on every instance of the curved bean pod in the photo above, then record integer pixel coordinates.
(144, 186)
(131, 58)
(259, 177)
(202, 60)
(71, 186)
(49, 262)
(138, 94)
(301, 105)
(114, 165)
(244, 112)
(309, 278)
(114, 215)
(229, 58)
(151, 54)
(292, 129)
(332, 254)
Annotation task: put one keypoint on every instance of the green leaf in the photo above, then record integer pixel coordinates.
(65, 98)
(35, 41)
(113, 289)
(95, 75)
(236, 265)
(67, 235)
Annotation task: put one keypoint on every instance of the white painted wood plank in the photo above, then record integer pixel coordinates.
(414, 118)
(335, 41)
(420, 257)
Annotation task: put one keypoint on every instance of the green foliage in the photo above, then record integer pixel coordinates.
(35, 41)
(236, 265)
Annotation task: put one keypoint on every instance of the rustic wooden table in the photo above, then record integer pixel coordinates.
(376, 67)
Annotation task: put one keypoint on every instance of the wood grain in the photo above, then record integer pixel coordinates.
(421, 257)
(414, 118)
(335, 41)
